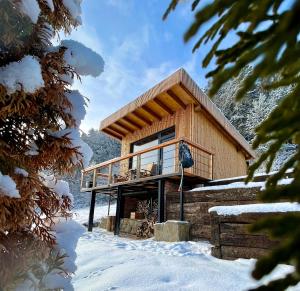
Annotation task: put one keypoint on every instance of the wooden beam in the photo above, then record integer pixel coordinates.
(163, 106)
(116, 130)
(92, 209)
(151, 112)
(124, 126)
(110, 132)
(132, 122)
(141, 117)
(176, 99)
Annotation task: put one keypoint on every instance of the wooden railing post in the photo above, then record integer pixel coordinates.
(138, 166)
(81, 181)
(94, 177)
(110, 173)
(211, 167)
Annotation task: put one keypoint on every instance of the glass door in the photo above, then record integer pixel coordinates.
(155, 162)
(167, 154)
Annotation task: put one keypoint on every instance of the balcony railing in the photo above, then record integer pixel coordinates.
(151, 163)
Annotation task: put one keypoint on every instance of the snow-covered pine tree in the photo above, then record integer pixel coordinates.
(236, 112)
(39, 140)
(252, 110)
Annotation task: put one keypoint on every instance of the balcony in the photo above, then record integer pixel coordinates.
(156, 162)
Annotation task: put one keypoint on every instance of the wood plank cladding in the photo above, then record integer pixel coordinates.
(164, 100)
(228, 161)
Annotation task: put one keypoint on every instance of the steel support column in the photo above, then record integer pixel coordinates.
(92, 209)
(118, 211)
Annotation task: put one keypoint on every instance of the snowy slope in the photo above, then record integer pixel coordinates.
(106, 262)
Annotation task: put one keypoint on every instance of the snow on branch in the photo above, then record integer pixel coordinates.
(78, 106)
(60, 187)
(76, 142)
(50, 4)
(23, 75)
(74, 9)
(30, 8)
(84, 60)
(67, 233)
(21, 172)
(8, 187)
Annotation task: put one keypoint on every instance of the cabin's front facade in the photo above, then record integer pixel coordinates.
(150, 130)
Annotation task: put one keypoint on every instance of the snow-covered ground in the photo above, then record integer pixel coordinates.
(107, 262)
(82, 215)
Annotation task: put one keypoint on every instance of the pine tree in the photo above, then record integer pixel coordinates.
(39, 139)
(267, 38)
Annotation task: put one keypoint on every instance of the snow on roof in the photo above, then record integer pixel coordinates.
(241, 185)
(256, 175)
(256, 208)
(25, 74)
(230, 186)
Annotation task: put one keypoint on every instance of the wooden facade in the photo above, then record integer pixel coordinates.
(176, 103)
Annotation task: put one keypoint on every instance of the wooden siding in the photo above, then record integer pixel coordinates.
(181, 119)
(229, 159)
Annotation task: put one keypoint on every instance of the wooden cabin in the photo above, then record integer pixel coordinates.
(150, 129)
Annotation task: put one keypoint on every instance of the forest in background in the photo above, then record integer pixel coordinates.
(245, 116)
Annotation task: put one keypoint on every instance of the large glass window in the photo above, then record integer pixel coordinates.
(156, 161)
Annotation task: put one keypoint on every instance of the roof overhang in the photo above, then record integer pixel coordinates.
(165, 98)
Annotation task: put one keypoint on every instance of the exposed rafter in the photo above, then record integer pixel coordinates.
(176, 99)
(116, 130)
(133, 123)
(163, 106)
(124, 126)
(151, 112)
(110, 132)
(141, 117)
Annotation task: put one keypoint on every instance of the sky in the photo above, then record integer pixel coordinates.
(138, 48)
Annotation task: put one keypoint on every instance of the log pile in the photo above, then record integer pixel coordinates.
(150, 211)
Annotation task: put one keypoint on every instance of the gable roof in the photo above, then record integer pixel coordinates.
(176, 91)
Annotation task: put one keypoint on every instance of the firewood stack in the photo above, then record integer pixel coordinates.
(146, 230)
